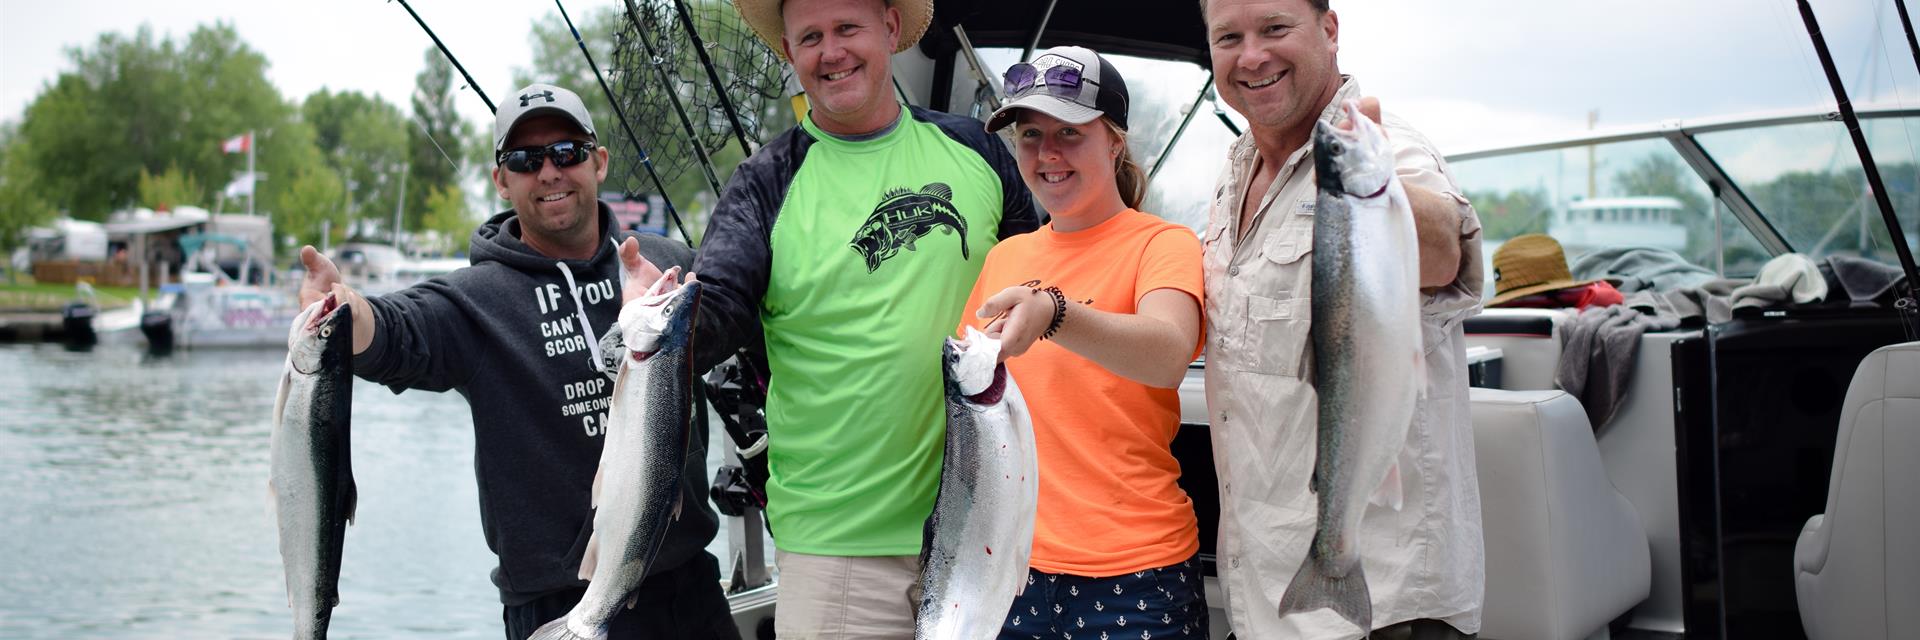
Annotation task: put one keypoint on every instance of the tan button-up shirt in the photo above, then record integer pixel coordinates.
(1424, 560)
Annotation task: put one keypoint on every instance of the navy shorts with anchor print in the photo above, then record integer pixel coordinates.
(1167, 602)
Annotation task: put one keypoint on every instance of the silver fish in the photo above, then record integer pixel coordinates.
(980, 535)
(1368, 369)
(312, 486)
(636, 492)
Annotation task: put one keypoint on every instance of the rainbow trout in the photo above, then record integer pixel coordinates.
(312, 488)
(980, 535)
(636, 492)
(1368, 368)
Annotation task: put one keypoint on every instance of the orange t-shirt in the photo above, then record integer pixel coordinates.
(1108, 501)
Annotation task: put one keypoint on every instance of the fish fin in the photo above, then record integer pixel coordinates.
(909, 244)
(678, 501)
(351, 499)
(939, 190)
(593, 501)
(1314, 587)
(280, 395)
(633, 600)
(557, 630)
(590, 557)
(1389, 494)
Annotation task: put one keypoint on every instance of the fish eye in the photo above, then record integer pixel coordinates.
(1336, 148)
(326, 330)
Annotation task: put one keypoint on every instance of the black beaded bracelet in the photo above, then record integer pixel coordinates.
(1059, 311)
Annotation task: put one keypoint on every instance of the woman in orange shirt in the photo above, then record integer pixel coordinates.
(1099, 313)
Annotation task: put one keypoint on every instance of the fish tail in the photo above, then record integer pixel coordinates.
(557, 630)
(1315, 587)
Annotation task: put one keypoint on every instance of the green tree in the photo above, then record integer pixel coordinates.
(134, 103)
(21, 206)
(1512, 213)
(364, 140)
(435, 144)
(312, 203)
(557, 60)
(449, 219)
(170, 189)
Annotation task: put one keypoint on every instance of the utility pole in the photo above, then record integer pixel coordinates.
(1593, 117)
(253, 181)
(399, 206)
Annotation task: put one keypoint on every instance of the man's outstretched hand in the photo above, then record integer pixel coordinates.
(323, 278)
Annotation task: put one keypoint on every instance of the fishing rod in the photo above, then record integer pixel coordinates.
(666, 83)
(1907, 23)
(449, 56)
(621, 114)
(1905, 302)
(726, 103)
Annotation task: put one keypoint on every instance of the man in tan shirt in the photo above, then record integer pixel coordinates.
(1275, 61)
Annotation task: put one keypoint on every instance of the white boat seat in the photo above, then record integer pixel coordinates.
(1566, 553)
(1857, 566)
(1529, 340)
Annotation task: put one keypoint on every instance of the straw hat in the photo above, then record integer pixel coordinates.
(1530, 264)
(765, 19)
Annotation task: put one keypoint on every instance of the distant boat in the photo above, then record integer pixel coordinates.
(1639, 221)
(376, 269)
(211, 309)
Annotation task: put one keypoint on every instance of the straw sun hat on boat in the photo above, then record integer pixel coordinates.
(1530, 264)
(763, 16)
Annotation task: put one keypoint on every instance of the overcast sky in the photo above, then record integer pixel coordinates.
(1469, 72)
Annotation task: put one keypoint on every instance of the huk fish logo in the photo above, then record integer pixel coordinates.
(903, 217)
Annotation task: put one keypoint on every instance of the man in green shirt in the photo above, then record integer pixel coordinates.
(847, 246)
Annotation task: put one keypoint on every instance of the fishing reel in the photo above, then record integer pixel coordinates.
(736, 392)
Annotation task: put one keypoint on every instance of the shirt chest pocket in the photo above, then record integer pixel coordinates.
(1280, 309)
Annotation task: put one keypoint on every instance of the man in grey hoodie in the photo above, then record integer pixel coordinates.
(518, 334)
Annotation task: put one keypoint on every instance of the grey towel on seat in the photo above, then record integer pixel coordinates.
(1641, 268)
(1596, 356)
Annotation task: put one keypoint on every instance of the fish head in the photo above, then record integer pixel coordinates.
(1352, 157)
(872, 242)
(973, 368)
(662, 319)
(317, 333)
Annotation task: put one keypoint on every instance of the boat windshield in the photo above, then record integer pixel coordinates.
(1789, 183)
(1807, 179)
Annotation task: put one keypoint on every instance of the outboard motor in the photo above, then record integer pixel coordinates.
(76, 321)
(157, 326)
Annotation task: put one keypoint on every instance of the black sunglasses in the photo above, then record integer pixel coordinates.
(564, 153)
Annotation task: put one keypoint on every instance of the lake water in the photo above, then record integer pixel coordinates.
(133, 503)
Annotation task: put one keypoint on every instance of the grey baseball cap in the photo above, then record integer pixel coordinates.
(1093, 88)
(538, 99)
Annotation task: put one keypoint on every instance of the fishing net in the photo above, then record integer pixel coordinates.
(692, 80)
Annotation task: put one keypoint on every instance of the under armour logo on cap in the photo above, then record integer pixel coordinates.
(540, 100)
(525, 98)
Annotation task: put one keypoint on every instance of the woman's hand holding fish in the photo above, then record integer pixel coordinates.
(1021, 315)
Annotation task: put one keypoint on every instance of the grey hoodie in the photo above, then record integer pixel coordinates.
(518, 334)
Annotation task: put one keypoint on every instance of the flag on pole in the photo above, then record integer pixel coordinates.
(241, 186)
(237, 144)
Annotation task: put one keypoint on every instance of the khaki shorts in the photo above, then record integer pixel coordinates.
(846, 598)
